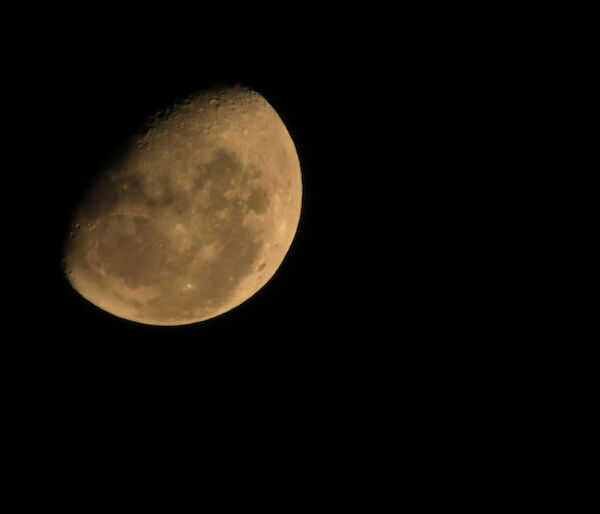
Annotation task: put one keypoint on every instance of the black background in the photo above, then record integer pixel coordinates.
(433, 154)
(436, 158)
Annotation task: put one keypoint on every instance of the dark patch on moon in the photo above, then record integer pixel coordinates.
(259, 200)
(218, 172)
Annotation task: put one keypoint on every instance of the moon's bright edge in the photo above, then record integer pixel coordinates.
(195, 219)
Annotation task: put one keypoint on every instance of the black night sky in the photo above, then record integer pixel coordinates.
(434, 157)
(427, 159)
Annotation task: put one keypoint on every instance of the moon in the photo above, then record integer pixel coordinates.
(195, 219)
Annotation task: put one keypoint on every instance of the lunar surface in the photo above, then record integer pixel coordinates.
(195, 219)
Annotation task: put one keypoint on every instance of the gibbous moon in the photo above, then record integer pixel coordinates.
(195, 219)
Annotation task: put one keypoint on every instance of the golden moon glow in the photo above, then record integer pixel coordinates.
(195, 219)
